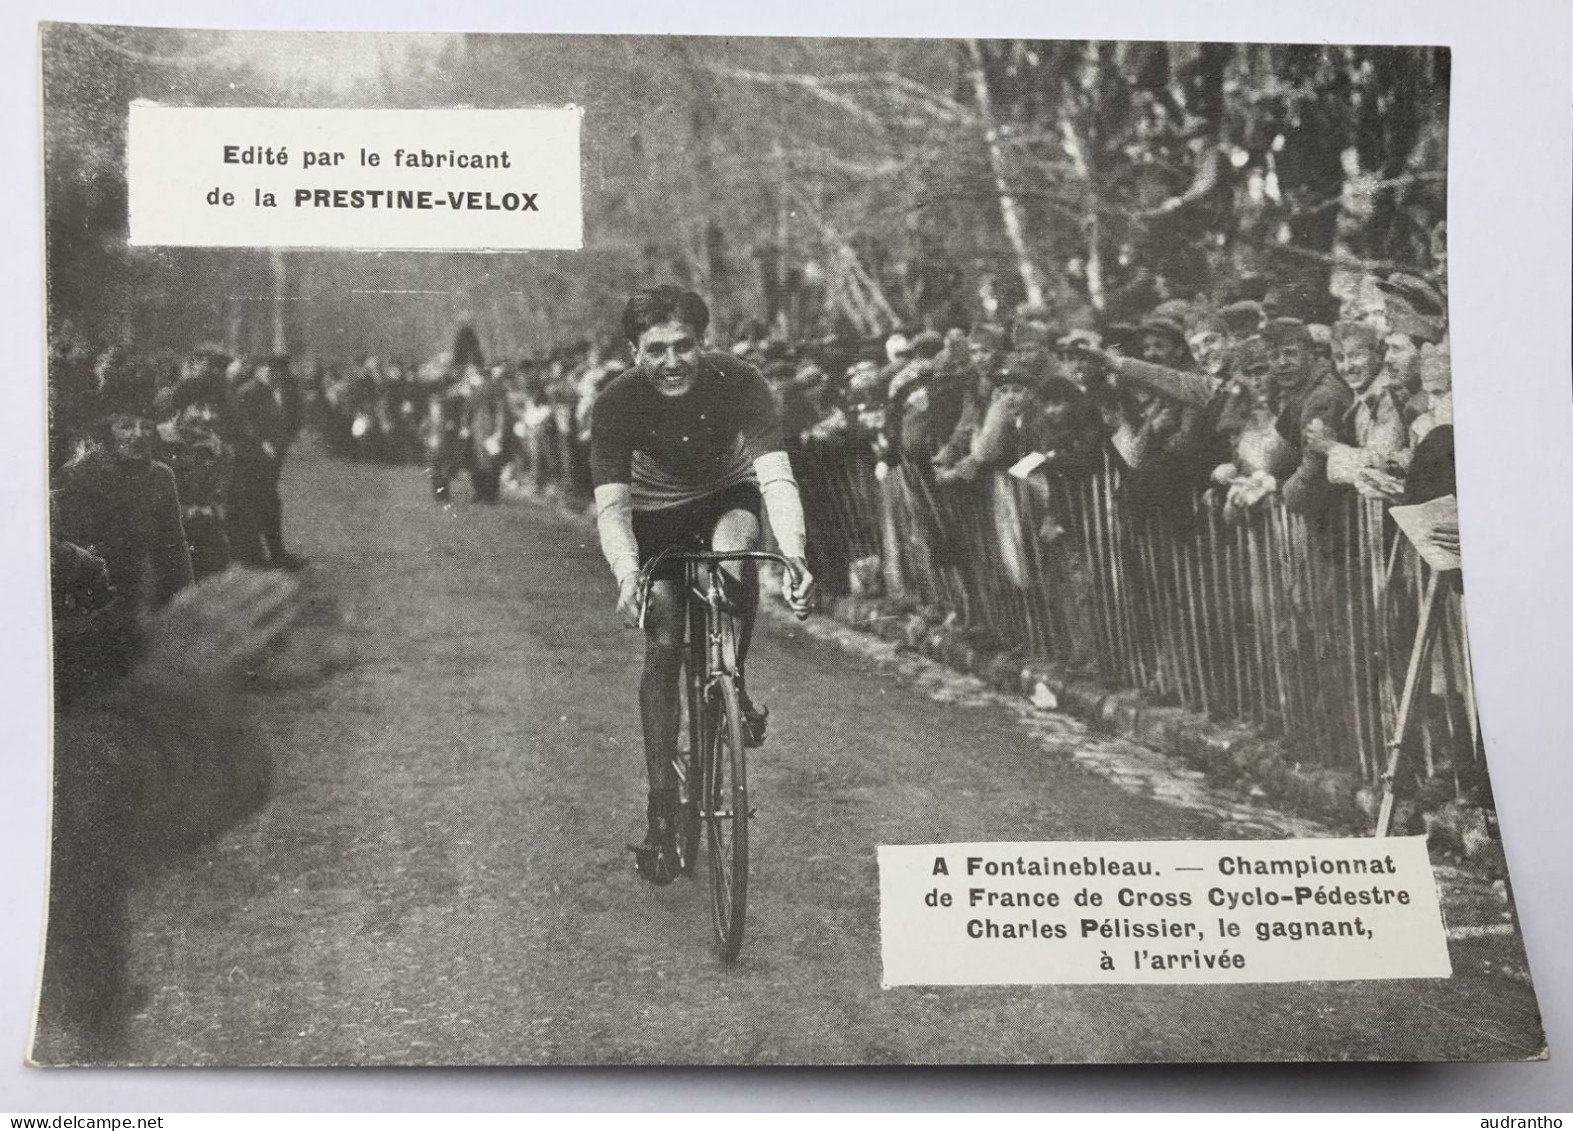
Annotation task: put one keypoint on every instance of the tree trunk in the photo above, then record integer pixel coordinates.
(1091, 227)
(1009, 212)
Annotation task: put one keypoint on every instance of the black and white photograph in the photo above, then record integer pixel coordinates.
(544, 528)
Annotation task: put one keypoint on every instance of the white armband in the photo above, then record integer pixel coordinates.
(614, 520)
(778, 488)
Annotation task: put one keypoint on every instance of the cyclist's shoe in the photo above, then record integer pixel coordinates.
(754, 720)
(656, 859)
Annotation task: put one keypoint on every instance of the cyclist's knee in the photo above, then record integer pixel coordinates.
(736, 530)
(663, 624)
(739, 530)
(663, 638)
(663, 652)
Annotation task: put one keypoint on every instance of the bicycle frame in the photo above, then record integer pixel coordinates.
(711, 647)
(711, 775)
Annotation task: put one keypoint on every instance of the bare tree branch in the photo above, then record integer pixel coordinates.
(890, 85)
(812, 84)
(803, 154)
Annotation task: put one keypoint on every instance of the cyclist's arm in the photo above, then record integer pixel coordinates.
(611, 469)
(759, 424)
(614, 520)
(783, 504)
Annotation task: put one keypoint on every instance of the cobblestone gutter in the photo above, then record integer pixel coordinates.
(1230, 754)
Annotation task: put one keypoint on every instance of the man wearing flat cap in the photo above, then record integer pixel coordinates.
(987, 347)
(1031, 408)
(1183, 419)
(925, 399)
(1244, 318)
(1313, 411)
(1163, 362)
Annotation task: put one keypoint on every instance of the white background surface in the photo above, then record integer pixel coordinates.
(1509, 227)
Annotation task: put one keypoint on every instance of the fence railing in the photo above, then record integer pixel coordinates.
(1301, 626)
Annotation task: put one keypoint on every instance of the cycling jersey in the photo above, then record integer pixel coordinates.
(675, 450)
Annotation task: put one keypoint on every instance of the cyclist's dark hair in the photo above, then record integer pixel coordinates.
(665, 303)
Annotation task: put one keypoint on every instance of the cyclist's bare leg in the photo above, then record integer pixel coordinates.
(739, 530)
(660, 687)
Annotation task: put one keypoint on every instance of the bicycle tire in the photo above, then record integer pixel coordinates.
(725, 795)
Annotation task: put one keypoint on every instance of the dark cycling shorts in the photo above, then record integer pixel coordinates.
(691, 525)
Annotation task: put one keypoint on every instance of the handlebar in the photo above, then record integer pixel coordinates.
(674, 554)
(715, 557)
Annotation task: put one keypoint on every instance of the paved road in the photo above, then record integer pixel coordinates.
(442, 878)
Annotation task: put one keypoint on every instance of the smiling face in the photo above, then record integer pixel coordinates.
(668, 354)
(1358, 359)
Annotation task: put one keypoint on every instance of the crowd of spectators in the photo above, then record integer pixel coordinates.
(526, 419)
(1235, 399)
(163, 471)
(1230, 398)
(169, 584)
(952, 466)
(166, 470)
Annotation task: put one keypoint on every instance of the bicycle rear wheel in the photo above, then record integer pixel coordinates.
(725, 811)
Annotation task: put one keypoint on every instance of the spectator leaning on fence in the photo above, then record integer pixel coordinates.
(1373, 460)
(1259, 457)
(986, 348)
(1155, 371)
(925, 399)
(1166, 431)
(997, 442)
(1307, 393)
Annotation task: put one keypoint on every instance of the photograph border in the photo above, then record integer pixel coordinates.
(1509, 250)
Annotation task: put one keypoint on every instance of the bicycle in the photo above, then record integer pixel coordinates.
(718, 802)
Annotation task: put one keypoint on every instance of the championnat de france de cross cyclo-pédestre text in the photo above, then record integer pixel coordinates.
(1227, 898)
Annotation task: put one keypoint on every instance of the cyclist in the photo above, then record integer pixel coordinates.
(684, 448)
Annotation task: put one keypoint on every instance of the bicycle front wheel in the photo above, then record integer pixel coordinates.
(725, 806)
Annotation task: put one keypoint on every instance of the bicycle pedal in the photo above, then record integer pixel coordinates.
(654, 865)
(755, 727)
